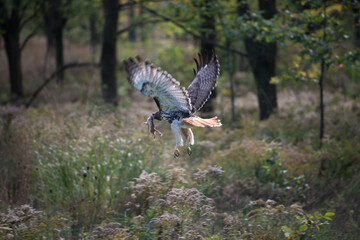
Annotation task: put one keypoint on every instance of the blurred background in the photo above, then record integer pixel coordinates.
(76, 161)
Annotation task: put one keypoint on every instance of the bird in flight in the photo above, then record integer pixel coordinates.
(176, 104)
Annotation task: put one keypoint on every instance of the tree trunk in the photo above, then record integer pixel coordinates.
(54, 22)
(12, 46)
(48, 28)
(108, 53)
(10, 26)
(208, 37)
(321, 88)
(142, 31)
(57, 32)
(59, 52)
(94, 35)
(262, 59)
(132, 31)
(356, 13)
(231, 62)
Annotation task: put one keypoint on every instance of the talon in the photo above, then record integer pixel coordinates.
(158, 132)
(153, 131)
(176, 153)
(189, 152)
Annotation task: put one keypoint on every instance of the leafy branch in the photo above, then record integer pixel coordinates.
(198, 36)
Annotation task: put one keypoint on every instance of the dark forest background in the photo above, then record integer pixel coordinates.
(76, 161)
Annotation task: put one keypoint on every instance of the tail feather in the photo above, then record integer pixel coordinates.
(201, 122)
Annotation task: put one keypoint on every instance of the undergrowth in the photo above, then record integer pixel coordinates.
(93, 172)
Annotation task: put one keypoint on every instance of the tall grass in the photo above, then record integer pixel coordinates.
(86, 178)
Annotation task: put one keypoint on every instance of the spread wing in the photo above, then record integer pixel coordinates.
(207, 72)
(158, 84)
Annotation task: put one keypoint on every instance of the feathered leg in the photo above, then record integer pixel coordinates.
(188, 134)
(175, 128)
(151, 125)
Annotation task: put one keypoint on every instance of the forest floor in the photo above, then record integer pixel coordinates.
(95, 173)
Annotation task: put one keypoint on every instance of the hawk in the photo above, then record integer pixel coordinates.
(176, 104)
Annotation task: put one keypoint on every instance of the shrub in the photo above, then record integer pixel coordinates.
(25, 222)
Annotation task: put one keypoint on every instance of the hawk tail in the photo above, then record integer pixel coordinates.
(201, 122)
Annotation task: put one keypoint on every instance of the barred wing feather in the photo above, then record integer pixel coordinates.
(207, 72)
(158, 84)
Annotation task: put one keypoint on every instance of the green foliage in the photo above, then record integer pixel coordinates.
(320, 35)
(306, 223)
(75, 12)
(271, 169)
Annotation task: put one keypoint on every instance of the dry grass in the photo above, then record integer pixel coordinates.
(17, 160)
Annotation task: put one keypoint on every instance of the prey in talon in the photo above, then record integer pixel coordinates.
(177, 105)
(151, 125)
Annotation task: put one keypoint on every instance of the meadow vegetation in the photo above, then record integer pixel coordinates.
(75, 168)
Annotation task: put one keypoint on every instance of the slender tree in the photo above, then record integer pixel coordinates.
(262, 59)
(132, 31)
(13, 16)
(108, 52)
(207, 42)
(94, 34)
(59, 24)
(231, 70)
(10, 26)
(48, 25)
(55, 18)
(356, 13)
